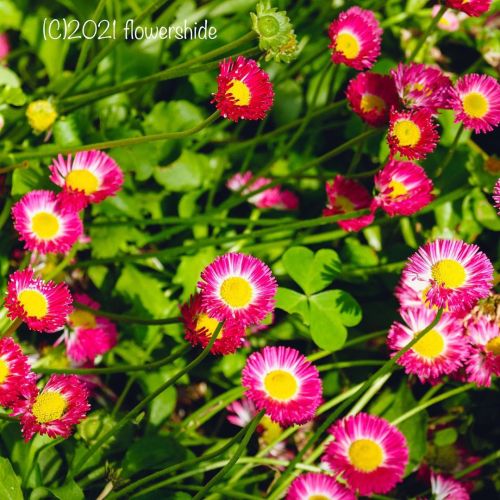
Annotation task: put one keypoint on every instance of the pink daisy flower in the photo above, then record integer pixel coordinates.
(440, 352)
(88, 335)
(355, 37)
(199, 328)
(484, 359)
(371, 96)
(284, 383)
(412, 133)
(274, 197)
(42, 305)
(496, 196)
(241, 412)
(369, 452)
(15, 371)
(473, 8)
(344, 196)
(449, 21)
(54, 410)
(454, 274)
(89, 177)
(45, 224)
(243, 90)
(4, 46)
(404, 188)
(422, 86)
(447, 488)
(238, 286)
(318, 487)
(476, 101)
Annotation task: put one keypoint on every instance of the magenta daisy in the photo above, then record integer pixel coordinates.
(243, 90)
(274, 197)
(476, 101)
(369, 452)
(474, 8)
(344, 196)
(54, 411)
(422, 86)
(404, 188)
(42, 305)
(412, 133)
(371, 96)
(454, 274)
(45, 224)
(313, 486)
(440, 352)
(15, 371)
(88, 335)
(355, 37)
(238, 286)
(4, 46)
(199, 328)
(496, 196)
(283, 382)
(446, 488)
(89, 177)
(484, 358)
(241, 412)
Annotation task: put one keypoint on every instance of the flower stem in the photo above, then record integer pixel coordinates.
(12, 328)
(116, 369)
(234, 459)
(139, 407)
(427, 33)
(451, 151)
(118, 143)
(386, 368)
(486, 460)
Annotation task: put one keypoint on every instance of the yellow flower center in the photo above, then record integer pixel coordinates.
(4, 370)
(348, 45)
(344, 203)
(449, 273)
(272, 430)
(83, 319)
(206, 322)
(82, 180)
(41, 115)
(45, 225)
(236, 292)
(431, 345)
(318, 497)
(475, 105)
(398, 189)
(281, 385)
(369, 102)
(366, 455)
(34, 303)
(48, 406)
(240, 92)
(492, 346)
(406, 132)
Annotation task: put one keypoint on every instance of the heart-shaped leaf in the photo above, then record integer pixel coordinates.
(293, 302)
(312, 272)
(327, 329)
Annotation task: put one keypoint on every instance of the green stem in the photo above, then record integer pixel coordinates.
(435, 20)
(118, 143)
(234, 459)
(486, 460)
(116, 369)
(138, 408)
(350, 364)
(125, 318)
(430, 402)
(385, 369)
(368, 395)
(8, 418)
(451, 151)
(12, 328)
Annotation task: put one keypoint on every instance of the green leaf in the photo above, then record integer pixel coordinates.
(68, 491)
(25, 180)
(293, 303)
(184, 174)
(8, 78)
(346, 305)
(10, 485)
(164, 404)
(11, 15)
(152, 452)
(312, 272)
(359, 254)
(445, 437)
(484, 211)
(327, 330)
